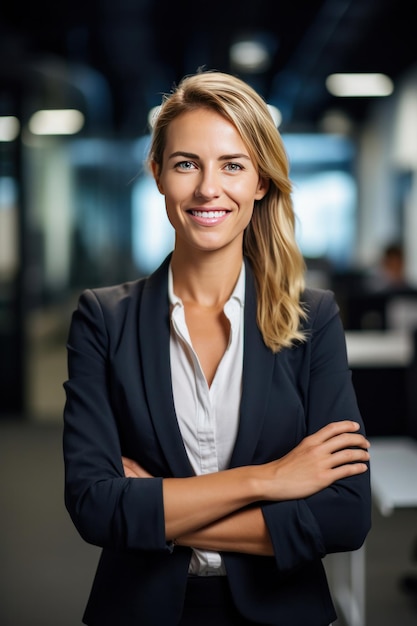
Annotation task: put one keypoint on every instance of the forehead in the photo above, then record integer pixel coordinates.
(204, 128)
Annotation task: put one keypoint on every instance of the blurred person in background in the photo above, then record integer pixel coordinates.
(389, 275)
(213, 444)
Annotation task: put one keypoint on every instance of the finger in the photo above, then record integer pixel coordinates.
(349, 456)
(342, 426)
(129, 467)
(351, 469)
(347, 440)
(130, 463)
(135, 470)
(335, 428)
(127, 461)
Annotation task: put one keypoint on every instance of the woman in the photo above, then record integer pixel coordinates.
(213, 444)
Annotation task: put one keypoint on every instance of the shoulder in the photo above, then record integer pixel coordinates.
(121, 297)
(103, 310)
(112, 298)
(320, 306)
(116, 295)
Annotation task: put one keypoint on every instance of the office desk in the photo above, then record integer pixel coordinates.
(380, 362)
(393, 469)
(394, 486)
(394, 473)
(379, 349)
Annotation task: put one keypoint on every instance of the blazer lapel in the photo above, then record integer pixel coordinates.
(154, 337)
(258, 365)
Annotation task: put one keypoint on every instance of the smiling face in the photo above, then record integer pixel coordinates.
(209, 182)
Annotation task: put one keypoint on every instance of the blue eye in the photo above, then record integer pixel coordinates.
(185, 165)
(233, 167)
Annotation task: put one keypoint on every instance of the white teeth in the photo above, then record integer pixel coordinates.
(208, 214)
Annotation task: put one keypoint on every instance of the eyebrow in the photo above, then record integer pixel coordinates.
(224, 157)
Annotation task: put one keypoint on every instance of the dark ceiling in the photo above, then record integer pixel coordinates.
(120, 55)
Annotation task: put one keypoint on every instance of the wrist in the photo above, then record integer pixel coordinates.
(260, 482)
(255, 483)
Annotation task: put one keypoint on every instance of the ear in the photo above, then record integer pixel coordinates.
(262, 188)
(156, 174)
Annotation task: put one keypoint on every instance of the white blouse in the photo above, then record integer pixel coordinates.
(208, 417)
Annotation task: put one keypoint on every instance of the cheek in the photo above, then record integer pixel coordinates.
(247, 191)
(177, 190)
(172, 203)
(247, 216)
(173, 210)
(169, 193)
(246, 197)
(169, 208)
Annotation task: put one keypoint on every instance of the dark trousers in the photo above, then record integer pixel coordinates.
(208, 602)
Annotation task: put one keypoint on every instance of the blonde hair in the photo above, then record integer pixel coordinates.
(269, 240)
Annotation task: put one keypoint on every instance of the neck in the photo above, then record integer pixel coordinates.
(206, 279)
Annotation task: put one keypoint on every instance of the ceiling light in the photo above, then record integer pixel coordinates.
(56, 122)
(153, 114)
(9, 128)
(249, 56)
(275, 114)
(359, 85)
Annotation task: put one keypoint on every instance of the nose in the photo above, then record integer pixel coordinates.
(208, 186)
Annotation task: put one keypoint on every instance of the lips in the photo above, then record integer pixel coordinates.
(209, 217)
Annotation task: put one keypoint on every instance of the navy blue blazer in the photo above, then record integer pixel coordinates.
(119, 402)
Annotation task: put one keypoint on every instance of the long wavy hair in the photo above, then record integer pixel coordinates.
(269, 240)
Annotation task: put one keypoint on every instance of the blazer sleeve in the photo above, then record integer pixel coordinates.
(107, 509)
(338, 518)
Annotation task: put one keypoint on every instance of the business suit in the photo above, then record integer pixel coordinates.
(119, 401)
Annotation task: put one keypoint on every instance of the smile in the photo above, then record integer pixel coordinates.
(208, 214)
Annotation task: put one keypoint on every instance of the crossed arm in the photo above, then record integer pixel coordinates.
(219, 511)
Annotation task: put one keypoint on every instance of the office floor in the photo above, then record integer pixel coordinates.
(46, 569)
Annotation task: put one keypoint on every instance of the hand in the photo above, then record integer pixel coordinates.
(133, 469)
(334, 452)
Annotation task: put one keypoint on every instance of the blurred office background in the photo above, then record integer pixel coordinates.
(78, 84)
